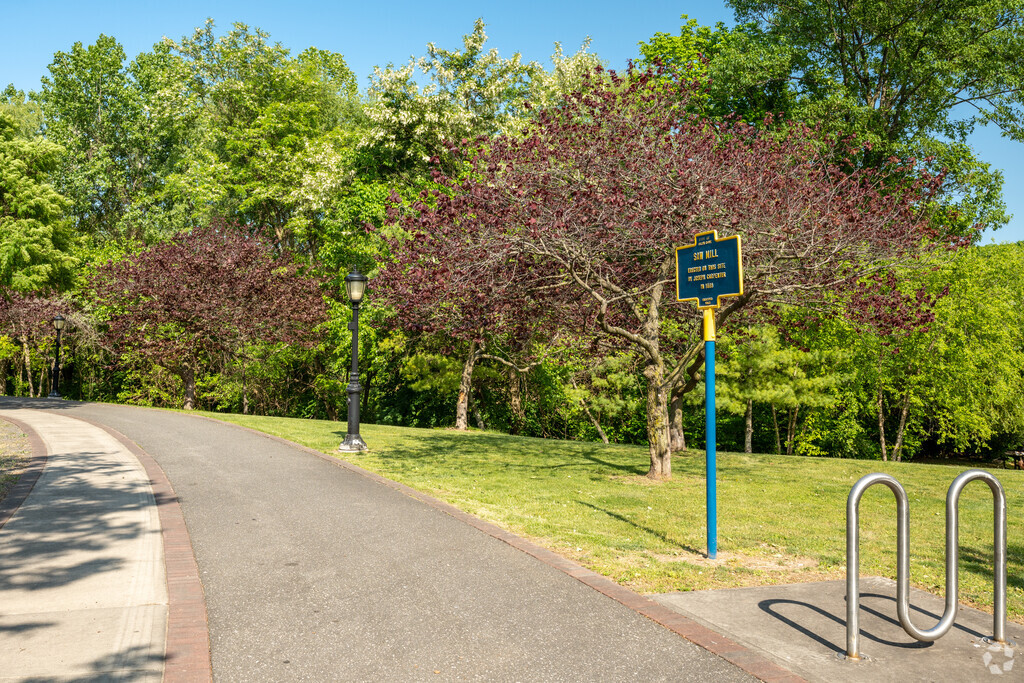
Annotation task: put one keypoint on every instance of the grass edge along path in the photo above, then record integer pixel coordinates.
(781, 519)
(15, 456)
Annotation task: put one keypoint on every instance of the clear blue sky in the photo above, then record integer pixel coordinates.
(370, 33)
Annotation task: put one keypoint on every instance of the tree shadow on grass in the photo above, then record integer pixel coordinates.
(490, 448)
(631, 469)
(980, 562)
(636, 525)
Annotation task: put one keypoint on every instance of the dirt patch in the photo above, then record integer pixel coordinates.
(637, 479)
(15, 455)
(777, 562)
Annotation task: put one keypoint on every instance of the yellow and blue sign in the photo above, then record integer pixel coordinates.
(706, 271)
(709, 269)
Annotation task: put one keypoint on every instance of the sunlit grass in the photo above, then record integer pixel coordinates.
(780, 519)
(15, 453)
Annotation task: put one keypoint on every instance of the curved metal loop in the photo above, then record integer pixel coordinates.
(853, 551)
(949, 613)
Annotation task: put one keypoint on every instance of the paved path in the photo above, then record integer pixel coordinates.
(316, 572)
(82, 585)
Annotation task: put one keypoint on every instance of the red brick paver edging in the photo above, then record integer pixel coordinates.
(739, 655)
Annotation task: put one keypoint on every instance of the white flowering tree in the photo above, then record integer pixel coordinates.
(471, 92)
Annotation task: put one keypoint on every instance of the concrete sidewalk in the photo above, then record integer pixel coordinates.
(803, 628)
(83, 591)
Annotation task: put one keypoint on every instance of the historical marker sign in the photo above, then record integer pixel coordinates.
(706, 271)
(709, 269)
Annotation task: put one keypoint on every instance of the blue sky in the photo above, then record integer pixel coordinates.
(371, 33)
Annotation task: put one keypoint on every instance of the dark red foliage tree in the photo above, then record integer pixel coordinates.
(583, 211)
(28, 320)
(470, 299)
(204, 296)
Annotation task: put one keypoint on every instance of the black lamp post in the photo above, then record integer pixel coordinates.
(59, 323)
(355, 287)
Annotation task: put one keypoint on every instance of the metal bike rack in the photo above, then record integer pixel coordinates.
(903, 558)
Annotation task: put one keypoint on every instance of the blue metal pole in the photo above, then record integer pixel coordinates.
(709, 431)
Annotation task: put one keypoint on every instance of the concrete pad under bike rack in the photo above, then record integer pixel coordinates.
(803, 628)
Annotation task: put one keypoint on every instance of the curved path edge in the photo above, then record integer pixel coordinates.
(739, 655)
(187, 650)
(27, 481)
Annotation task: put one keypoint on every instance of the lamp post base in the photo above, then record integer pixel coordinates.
(54, 394)
(352, 444)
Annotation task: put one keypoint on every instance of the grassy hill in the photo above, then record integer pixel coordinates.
(780, 519)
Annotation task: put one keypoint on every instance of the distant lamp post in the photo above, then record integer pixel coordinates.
(59, 323)
(355, 287)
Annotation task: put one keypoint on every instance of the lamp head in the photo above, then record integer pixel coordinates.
(59, 323)
(355, 285)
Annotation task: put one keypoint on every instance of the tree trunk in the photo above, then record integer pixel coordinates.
(748, 429)
(881, 424)
(593, 421)
(677, 437)
(466, 387)
(657, 422)
(897, 449)
(778, 438)
(590, 415)
(28, 367)
(364, 396)
(245, 393)
(791, 430)
(478, 416)
(188, 379)
(515, 399)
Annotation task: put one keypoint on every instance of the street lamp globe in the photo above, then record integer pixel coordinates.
(59, 323)
(355, 285)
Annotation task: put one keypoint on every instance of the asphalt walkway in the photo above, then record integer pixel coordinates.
(311, 571)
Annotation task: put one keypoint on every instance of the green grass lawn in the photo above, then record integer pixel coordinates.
(780, 519)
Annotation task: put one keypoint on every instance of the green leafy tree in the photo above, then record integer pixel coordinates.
(977, 381)
(605, 389)
(27, 112)
(760, 368)
(907, 79)
(35, 239)
(955, 383)
(116, 150)
(471, 92)
(267, 132)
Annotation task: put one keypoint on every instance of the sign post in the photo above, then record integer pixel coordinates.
(706, 271)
